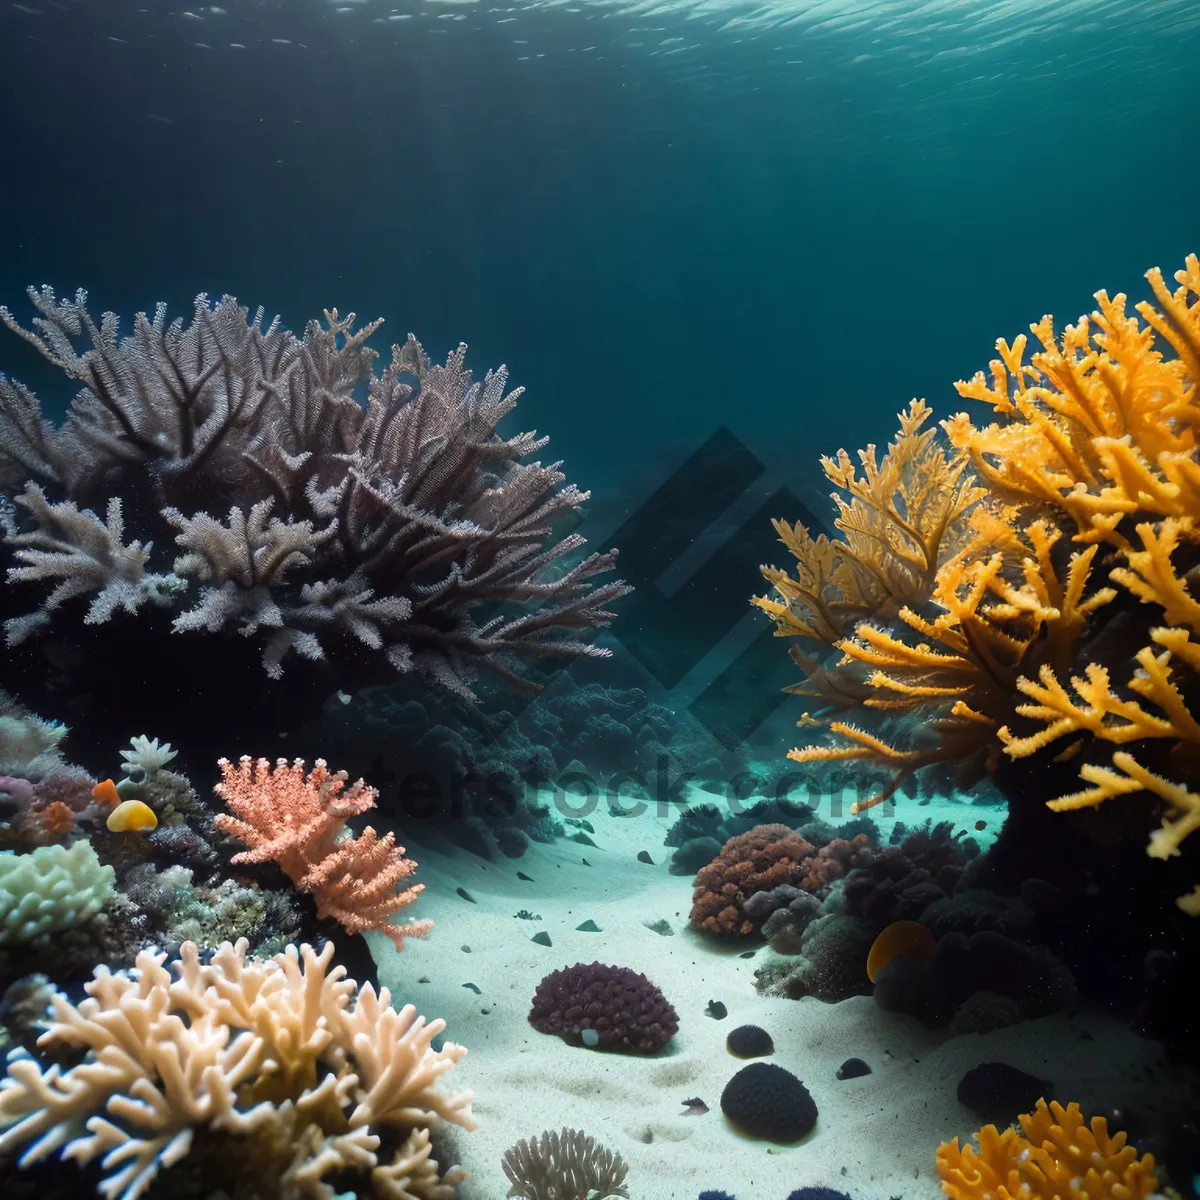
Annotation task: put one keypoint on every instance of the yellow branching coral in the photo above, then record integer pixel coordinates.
(279, 1052)
(1098, 423)
(1056, 1156)
(988, 632)
(1157, 709)
(975, 620)
(1183, 806)
(900, 519)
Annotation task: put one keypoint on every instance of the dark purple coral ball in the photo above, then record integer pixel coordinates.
(606, 1008)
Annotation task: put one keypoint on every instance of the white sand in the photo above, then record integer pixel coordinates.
(876, 1136)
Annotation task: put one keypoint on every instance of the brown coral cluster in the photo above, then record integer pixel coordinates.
(970, 611)
(1057, 1155)
(832, 862)
(766, 857)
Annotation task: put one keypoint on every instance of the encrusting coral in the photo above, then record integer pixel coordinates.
(1056, 1156)
(1007, 646)
(299, 820)
(51, 889)
(279, 1054)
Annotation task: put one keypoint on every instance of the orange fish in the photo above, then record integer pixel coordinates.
(105, 793)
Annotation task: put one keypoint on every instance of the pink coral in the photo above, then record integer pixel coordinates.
(299, 822)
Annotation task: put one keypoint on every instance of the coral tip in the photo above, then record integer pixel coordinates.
(131, 814)
(105, 792)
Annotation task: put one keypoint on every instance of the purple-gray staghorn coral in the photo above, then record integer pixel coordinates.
(245, 490)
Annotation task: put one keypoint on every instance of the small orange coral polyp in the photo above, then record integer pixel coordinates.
(57, 818)
(909, 938)
(105, 792)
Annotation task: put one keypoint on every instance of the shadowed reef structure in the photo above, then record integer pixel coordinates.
(223, 491)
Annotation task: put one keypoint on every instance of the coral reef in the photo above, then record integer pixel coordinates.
(279, 1054)
(606, 1008)
(299, 822)
(361, 536)
(1056, 1155)
(831, 964)
(565, 1164)
(1050, 638)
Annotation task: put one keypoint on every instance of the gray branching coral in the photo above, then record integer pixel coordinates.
(564, 1165)
(306, 520)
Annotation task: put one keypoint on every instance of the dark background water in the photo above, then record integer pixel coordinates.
(662, 224)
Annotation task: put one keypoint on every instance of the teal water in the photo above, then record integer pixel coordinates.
(786, 218)
(713, 241)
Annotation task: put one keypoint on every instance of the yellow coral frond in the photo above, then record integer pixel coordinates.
(1099, 422)
(1101, 713)
(866, 745)
(1057, 1155)
(1179, 321)
(1181, 818)
(1151, 576)
(923, 691)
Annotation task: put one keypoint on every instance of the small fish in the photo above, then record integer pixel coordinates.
(105, 792)
(695, 1107)
(130, 815)
(344, 697)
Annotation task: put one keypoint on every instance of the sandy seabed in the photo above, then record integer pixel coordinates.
(876, 1136)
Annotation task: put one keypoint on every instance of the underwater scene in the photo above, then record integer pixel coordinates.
(730, 733)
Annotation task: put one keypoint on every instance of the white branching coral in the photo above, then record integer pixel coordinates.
(82, 556)
(386, 524)
(280, 1052)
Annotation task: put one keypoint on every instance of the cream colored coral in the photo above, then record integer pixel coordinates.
(50, 889)
(279, 1049)
(414, 1175)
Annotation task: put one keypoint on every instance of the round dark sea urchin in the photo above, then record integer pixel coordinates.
(606, 1008)
(765, 1101)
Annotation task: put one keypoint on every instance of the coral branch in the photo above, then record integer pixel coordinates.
(299, 822)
